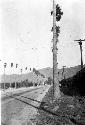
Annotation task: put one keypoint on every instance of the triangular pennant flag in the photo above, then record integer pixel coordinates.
(26, 68)
(16, 65)
(11, 64)
(5, 64)
(21, 70)
(34, 69)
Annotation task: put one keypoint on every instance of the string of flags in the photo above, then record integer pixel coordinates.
(25, 69)
(16, 66)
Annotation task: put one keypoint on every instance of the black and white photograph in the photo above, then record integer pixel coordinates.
(42, 62)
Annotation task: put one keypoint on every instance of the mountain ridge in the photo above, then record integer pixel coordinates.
(47, 72)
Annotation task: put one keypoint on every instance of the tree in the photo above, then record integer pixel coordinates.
(59, 13)
(49, 81)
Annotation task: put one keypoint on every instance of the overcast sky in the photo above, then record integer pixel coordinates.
(25, 35)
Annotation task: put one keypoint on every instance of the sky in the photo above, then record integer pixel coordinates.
(25, 34)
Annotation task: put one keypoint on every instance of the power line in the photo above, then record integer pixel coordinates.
(80, 44)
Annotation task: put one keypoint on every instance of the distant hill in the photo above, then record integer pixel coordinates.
(68, 72)
(47, 72)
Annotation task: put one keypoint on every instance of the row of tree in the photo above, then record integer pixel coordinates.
(25, 83)
(16, 66)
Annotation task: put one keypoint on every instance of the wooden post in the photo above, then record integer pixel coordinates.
(56, 90)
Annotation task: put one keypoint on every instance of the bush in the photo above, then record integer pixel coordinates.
(49, 81)
(74, 85)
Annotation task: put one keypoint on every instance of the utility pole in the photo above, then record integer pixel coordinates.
(63, 75)
(16, 81)
(21, 71)
(5, 64)
(80, 43)
(21, 75)
(56, 90)
(56, 17)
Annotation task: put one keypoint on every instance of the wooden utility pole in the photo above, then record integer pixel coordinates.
(56, 90)
(57, 13)
(63, 75)
(21, 71)
(16, 81)
(80, 43)
(4, 77)
(5, 64)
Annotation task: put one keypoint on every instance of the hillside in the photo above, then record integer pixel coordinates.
(69, 109)
(69, 72)
(74, 85)
(47, 72)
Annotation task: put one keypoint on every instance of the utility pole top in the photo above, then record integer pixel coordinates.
(80, 40)
(80, 43)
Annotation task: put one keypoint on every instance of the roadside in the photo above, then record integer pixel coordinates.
(67, 110)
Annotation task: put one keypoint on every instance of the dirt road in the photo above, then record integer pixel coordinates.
(15, 112)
